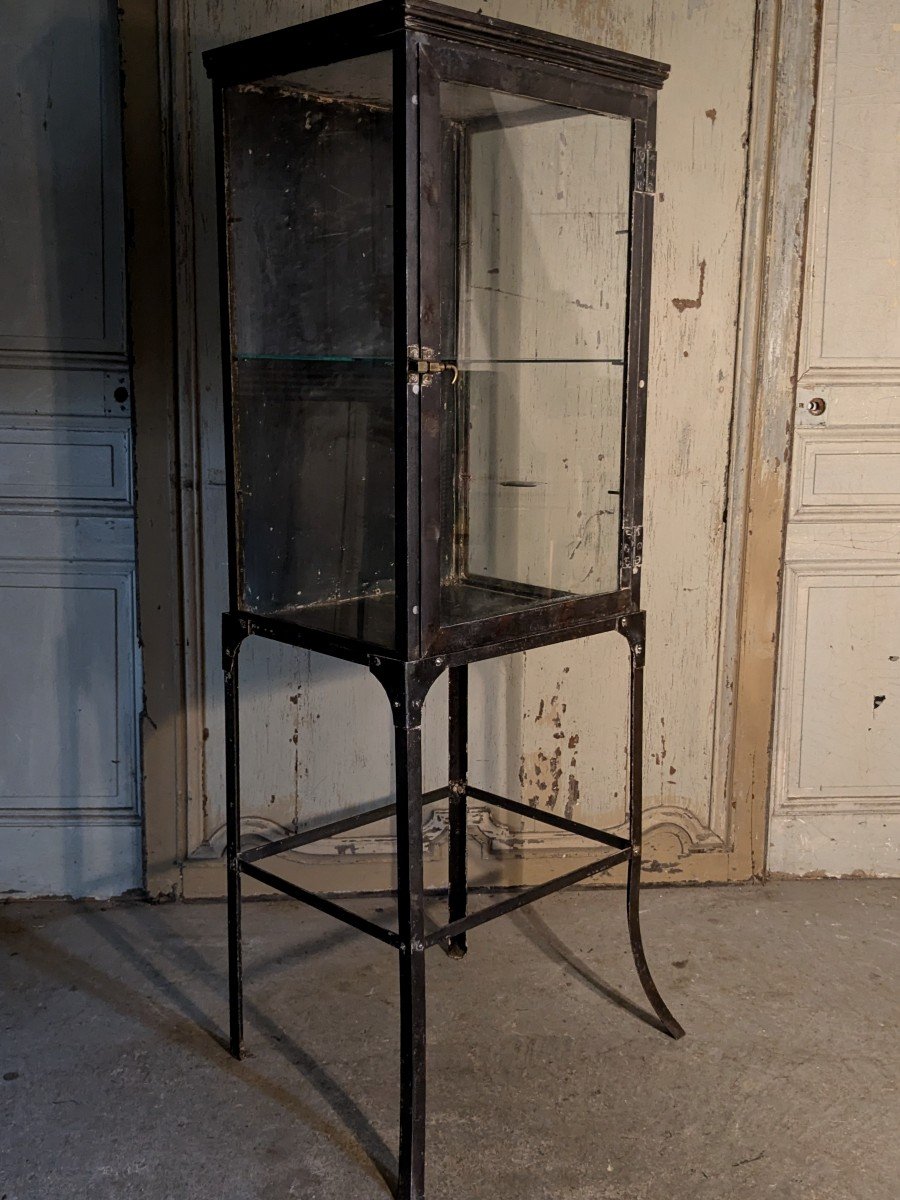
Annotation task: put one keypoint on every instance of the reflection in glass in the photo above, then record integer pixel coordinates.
(538, 254)
(311, 243)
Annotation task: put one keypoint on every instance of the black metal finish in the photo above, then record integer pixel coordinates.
(431, 44)
(322, 903)
(407, 190)
(459, 771)
(411, 919)
(333, 829)
(230, 651)
(368, 27)
(528, 896)
(550, 818)
(634, 629)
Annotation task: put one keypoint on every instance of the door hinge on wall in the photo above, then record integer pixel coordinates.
(632, 549)
(645, 169)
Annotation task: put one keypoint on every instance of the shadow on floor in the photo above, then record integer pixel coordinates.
(195, 1031)
(536, 929)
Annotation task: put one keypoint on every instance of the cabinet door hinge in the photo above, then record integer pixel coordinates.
(645, 169)
(632, 549)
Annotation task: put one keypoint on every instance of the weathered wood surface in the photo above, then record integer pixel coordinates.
(297, 762)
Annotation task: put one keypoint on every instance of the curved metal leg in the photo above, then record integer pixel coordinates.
(231, 644)
(634, 630)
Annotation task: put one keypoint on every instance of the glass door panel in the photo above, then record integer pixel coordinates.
(534, 422)
(310, 211)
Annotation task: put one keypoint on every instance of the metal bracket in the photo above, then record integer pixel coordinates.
(234, 631)
(633, 628)
(407, 684)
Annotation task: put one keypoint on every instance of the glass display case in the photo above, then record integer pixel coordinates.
(435, 258)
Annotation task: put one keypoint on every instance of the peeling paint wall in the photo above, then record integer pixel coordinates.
(549, 726)
(699, 215)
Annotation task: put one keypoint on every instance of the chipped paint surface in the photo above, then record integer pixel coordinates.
(682, 305)
(548, 775)
(701, 176)
(301, 753)
(836, 761)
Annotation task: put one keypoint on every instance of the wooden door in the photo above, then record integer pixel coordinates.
(836, 767)
(69, 803)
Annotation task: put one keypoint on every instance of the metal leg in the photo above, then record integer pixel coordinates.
(636, 639)
(459, 767)
(410, 906)
(233, 841)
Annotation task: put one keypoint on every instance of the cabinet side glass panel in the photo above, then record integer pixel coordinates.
(310, 219)
(535, 320)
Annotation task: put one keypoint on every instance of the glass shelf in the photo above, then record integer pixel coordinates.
(468, 362)
(316, 358)
(381, 361)
(371, 616)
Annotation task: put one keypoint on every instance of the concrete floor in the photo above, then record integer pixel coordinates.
(544, 1081)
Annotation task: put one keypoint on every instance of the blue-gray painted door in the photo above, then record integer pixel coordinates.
(69, 796)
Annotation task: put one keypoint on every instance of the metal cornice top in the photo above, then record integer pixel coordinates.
(370, 27)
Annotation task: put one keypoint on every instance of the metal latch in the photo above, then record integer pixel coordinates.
(423, 366)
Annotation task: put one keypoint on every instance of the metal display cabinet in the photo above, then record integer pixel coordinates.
(435, 236)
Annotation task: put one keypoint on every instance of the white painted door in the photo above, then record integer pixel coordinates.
(836, 781)
(69, 813)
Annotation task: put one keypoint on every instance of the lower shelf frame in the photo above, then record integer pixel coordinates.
(406, 685)
(248, 860)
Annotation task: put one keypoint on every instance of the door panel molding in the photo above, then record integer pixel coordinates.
(836, 763)
(67, 248)
(853, 198)
(821, 719)
(81, 727)
(846, 472)
(70, 807)
(67, 463)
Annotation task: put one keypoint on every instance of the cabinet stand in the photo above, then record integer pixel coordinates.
(407, 684)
